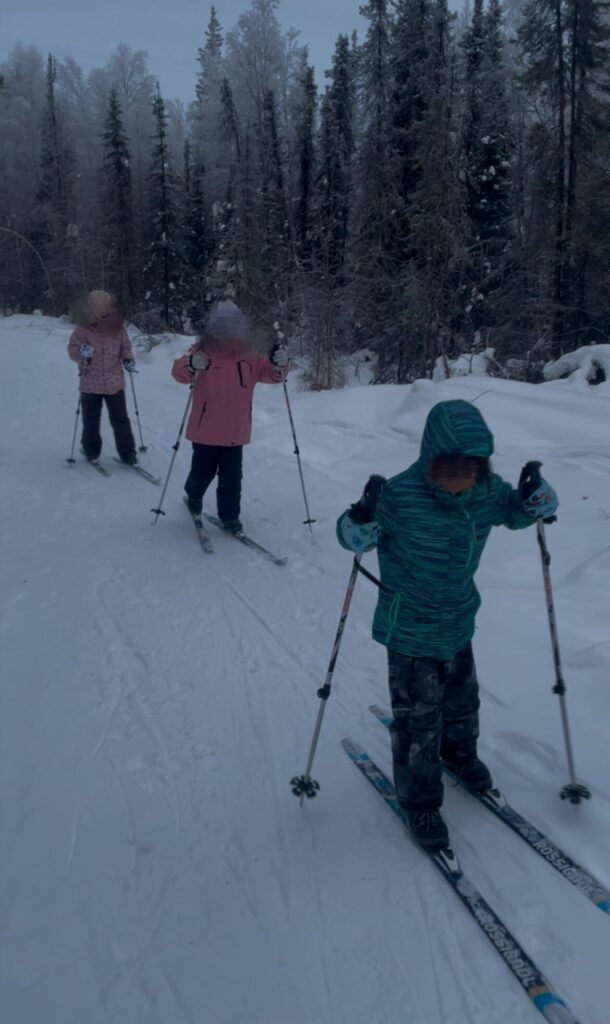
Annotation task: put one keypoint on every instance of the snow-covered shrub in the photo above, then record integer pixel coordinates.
(148, 321)
(361, 367)
(590, 364)
(476, 364)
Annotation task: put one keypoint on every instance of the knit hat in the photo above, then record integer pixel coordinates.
(226, 322)
(100, 304)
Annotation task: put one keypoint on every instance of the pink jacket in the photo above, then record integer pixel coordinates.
(103, 375)
(221, 413)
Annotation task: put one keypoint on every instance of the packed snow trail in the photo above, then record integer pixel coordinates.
(155, 704)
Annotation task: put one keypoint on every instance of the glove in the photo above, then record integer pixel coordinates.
(538, 498)
(279, 356)
(363, 511)
(199, 361)
(356, 537)
(129, 365)
(86, 351)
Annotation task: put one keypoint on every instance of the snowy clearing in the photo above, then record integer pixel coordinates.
(156, 702)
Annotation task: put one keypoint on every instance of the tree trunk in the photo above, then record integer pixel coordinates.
(559, 254)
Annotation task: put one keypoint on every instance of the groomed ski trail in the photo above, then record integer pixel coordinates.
(157, 704)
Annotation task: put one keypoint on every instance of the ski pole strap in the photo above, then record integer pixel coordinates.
(396, 597)
(373, 579)
(369, 576)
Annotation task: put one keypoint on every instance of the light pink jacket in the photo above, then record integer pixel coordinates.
(103, 375)
(221, 413)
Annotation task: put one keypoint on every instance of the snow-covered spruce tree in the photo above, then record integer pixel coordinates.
(249, 265)
(409, 41)
(54, 232)
(22, 101)
(205, 112)
(326, 306)
(224, 278)
(196, 238)
(306, 169)
(161, 270)
(207, 54)
(486, 141)
(127, 70)
(565, 52)
(229, 122)
(409, 98)
(117, 205)
(210, 73)
(372, 267)
(431, 275)
(587, 266)
(276, 241)
(335, 166)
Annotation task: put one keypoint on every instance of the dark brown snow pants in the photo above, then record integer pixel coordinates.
(91, 439)
(436, 714)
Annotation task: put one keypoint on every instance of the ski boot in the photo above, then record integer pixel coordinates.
(194, 506)
(232, 525)
(472, 773)
(428, 829)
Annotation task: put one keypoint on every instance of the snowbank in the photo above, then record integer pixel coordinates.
(587, 365)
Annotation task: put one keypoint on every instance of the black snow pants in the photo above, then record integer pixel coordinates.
(435, 705)
(209, 460)
(91, 440)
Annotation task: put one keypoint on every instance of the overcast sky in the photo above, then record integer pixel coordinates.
(169, 30)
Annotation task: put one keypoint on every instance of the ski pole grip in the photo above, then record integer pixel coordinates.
(530, 474)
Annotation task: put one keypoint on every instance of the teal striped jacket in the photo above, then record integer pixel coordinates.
(430, 542)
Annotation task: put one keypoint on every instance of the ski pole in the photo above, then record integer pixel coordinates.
(573, 791)
(159, 511)
(71, 458)
(142, 447)
(309, 520)
(303, 785)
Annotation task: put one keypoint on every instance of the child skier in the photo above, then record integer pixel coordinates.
(100, 345)
(224, 372)
(430, 524)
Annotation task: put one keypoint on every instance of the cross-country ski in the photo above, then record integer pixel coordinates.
(245, 539)
(97, 465)
(495, 802)
(136, 468)
(529, 976)
(202, 534)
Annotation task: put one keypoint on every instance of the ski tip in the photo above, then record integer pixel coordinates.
(352, 748)
(383, 714)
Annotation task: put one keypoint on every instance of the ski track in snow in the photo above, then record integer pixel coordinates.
(157, 868)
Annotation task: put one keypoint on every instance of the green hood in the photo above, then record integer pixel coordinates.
(454, 428)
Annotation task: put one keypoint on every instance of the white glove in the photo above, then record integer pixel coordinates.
(279, 356)
(199, 361)
(86, 351)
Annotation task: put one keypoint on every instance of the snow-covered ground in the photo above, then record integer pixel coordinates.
(156, 868)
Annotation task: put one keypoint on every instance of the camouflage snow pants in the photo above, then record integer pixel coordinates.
(435, 705)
